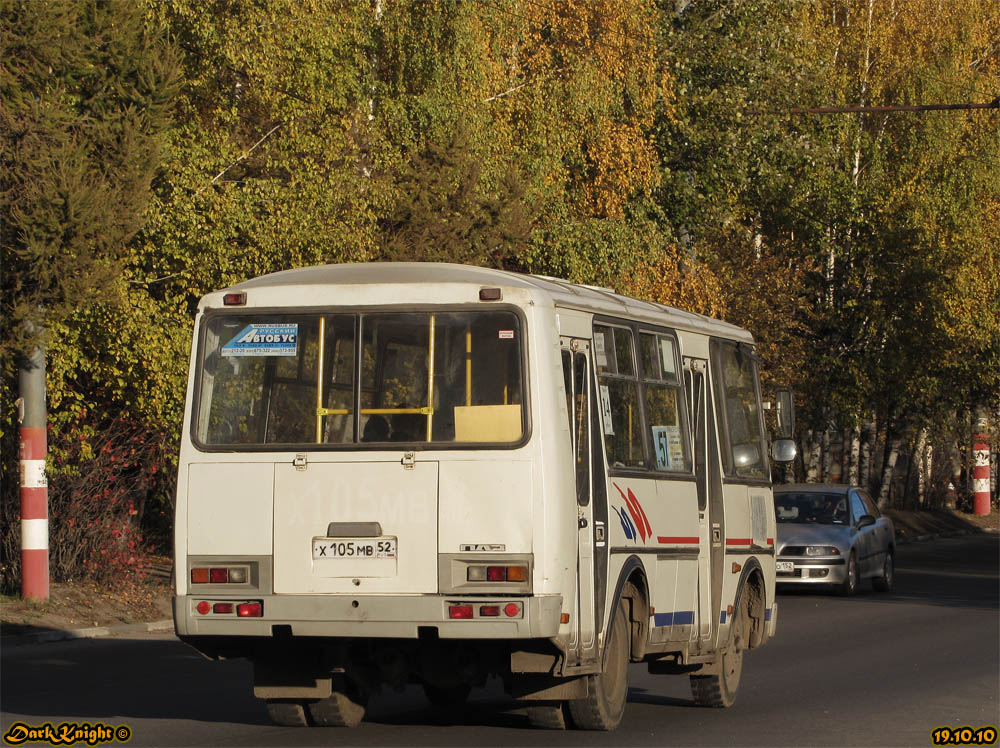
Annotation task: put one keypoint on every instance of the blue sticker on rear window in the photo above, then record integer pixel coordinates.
(264, 340)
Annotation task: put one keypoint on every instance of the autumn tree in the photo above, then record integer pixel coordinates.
(86, 89)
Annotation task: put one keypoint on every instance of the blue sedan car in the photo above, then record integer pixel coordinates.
(832, 535)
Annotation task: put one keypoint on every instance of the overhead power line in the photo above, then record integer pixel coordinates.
(995, 104)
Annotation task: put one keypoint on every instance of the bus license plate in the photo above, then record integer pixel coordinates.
(353, 548)
(784, 566)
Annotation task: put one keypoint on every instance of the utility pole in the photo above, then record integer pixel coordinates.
(981, 467)
(34, 485)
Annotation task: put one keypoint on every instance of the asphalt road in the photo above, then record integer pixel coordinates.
(872, 670)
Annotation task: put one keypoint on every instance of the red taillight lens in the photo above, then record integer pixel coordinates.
(250, 610)
(512, 610)
(460, 611)
(496, 573)
(234, 299)
(199, 576)
(222, 608)
(219, 576)
(203, 607)
(489, 610)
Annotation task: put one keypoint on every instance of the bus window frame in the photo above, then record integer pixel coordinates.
(729, 474)
(210, 313)
(648, 472)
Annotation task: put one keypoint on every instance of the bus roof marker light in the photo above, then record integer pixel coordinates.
(490, 294)
(234, 299)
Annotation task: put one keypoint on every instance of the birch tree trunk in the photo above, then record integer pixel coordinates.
(865, 456)
(919, 454)
(827, 455)
(852, 454)
(888, 469)
(812, 465)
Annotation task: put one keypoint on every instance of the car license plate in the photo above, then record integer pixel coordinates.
(353, 548)
(784, 566)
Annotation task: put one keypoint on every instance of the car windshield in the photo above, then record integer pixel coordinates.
(811, 507)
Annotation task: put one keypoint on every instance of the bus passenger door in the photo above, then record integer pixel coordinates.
(590, 527)
(695, 370)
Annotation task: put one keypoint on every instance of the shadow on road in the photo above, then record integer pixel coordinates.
(119, 682)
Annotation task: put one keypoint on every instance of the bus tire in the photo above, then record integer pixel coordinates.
(548, 716)
(449, 696)
(604, 706)
(344, 707)
(719, 690)
(287, 713)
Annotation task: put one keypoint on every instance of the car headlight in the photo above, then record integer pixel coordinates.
(821, 550)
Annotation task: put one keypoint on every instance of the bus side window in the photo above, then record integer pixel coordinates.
(663, 403)
(618, 397)
(738, 405)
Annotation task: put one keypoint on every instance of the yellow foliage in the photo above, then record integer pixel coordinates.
(679, 282)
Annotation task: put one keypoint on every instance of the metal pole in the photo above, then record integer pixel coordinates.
(34, 484)
(981, 474)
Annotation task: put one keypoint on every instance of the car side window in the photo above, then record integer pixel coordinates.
(870, 506)
(858, 508)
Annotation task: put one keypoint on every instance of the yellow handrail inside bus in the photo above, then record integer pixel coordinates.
(430, 379)
(468, 366)
(319, 381)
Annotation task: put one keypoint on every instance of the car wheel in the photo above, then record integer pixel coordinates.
(850, 584)
(287, 713)
(720, 690)
(345, 707)
(604, 705)
(883, 583)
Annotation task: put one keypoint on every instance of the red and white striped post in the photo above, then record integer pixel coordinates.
(981, 474)
(34, 485)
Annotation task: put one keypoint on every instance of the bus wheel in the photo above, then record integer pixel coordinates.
(548, 716)
(287, 713)
(720, 690)
(450, 696)
(603, 708)
(345, 707)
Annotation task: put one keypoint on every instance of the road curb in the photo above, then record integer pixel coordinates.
(94, 632)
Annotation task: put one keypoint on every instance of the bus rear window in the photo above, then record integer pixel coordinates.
(416, 377)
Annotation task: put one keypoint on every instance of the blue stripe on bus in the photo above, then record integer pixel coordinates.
(679, 618)
(723, 619)
(767, 614)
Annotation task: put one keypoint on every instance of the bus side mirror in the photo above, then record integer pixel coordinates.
(785, 413)
(783, 450)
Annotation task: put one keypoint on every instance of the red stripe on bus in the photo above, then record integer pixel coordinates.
(687, 541)
(739, 541)
(649, 530)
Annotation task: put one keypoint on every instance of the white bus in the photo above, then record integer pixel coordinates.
(418, 473)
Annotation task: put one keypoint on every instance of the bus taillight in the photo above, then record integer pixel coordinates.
(250, 610)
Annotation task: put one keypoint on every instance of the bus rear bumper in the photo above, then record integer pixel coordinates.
(369, 616)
